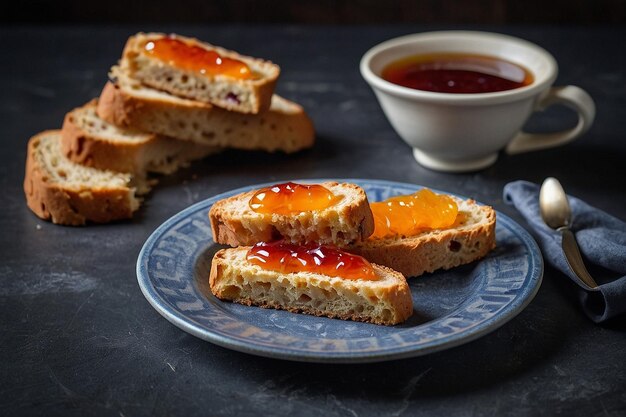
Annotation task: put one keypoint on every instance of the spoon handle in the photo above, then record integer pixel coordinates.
(574, 259)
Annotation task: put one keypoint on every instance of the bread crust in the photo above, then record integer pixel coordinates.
(123, 109)
(150, 152)
(73, 207)
(247, 228)
(258, 91)
(433, 250)
(398, 295)
(271, 131)
(85, 149)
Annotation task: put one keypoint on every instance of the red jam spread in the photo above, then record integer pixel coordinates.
(327, 260)
(408, 215)
(290, 198)
(195, 58)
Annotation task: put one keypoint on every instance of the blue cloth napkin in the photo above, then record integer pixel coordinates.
(602, 241)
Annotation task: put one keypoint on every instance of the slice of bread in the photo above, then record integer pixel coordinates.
(241, 95)
(470, 238)
(71, 194)
(284, 127)
(234, 223)
(384, 301)
(88, 140)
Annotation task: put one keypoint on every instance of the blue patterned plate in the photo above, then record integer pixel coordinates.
(451, 307)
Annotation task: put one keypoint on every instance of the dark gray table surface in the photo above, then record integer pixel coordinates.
(78, 338)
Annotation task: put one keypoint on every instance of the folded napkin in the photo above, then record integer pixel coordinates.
(602, 241)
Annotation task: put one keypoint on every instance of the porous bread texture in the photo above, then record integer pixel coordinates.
(234, 223)
(240, 95)
(70, 194)
(284, 127)
(88, 140)
(470, 238)
(383, 301)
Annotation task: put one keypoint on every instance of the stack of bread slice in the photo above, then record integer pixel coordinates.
(154, 117)
(386, 300)
(347, 225)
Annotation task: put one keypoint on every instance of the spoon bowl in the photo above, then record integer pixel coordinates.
(555, 209)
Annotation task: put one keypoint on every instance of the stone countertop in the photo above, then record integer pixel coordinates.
(78, 338)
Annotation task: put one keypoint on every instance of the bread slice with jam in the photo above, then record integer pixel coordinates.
(471, 237)
(125, 102)
(346, 220)
(384, 300)
(189, 68)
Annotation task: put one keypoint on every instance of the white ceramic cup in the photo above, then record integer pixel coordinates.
(465, 132)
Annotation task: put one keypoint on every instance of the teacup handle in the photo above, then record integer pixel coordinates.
(571, 96)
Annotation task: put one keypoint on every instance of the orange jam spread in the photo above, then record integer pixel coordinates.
(408, 215)
(289, 198)
(195, 58)
(286, 258)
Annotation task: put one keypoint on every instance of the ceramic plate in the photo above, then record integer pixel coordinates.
(450, 307)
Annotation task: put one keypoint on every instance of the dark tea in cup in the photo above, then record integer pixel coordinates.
(457, 73)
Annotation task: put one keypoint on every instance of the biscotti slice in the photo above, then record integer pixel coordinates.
(284, 127)
(182, 66)
(235, 223)
(71, 194)
(386, 300)
(471, 237)
(88, 140)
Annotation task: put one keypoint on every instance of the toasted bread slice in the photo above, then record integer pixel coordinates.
(88, 140)
(284, 127)
(350, 220)
(241, 95)
(71, 194)
(384, 301)
(471, 237)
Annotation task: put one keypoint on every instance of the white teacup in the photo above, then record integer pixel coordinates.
(465, 132)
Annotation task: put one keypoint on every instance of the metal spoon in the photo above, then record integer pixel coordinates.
(556, 212)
